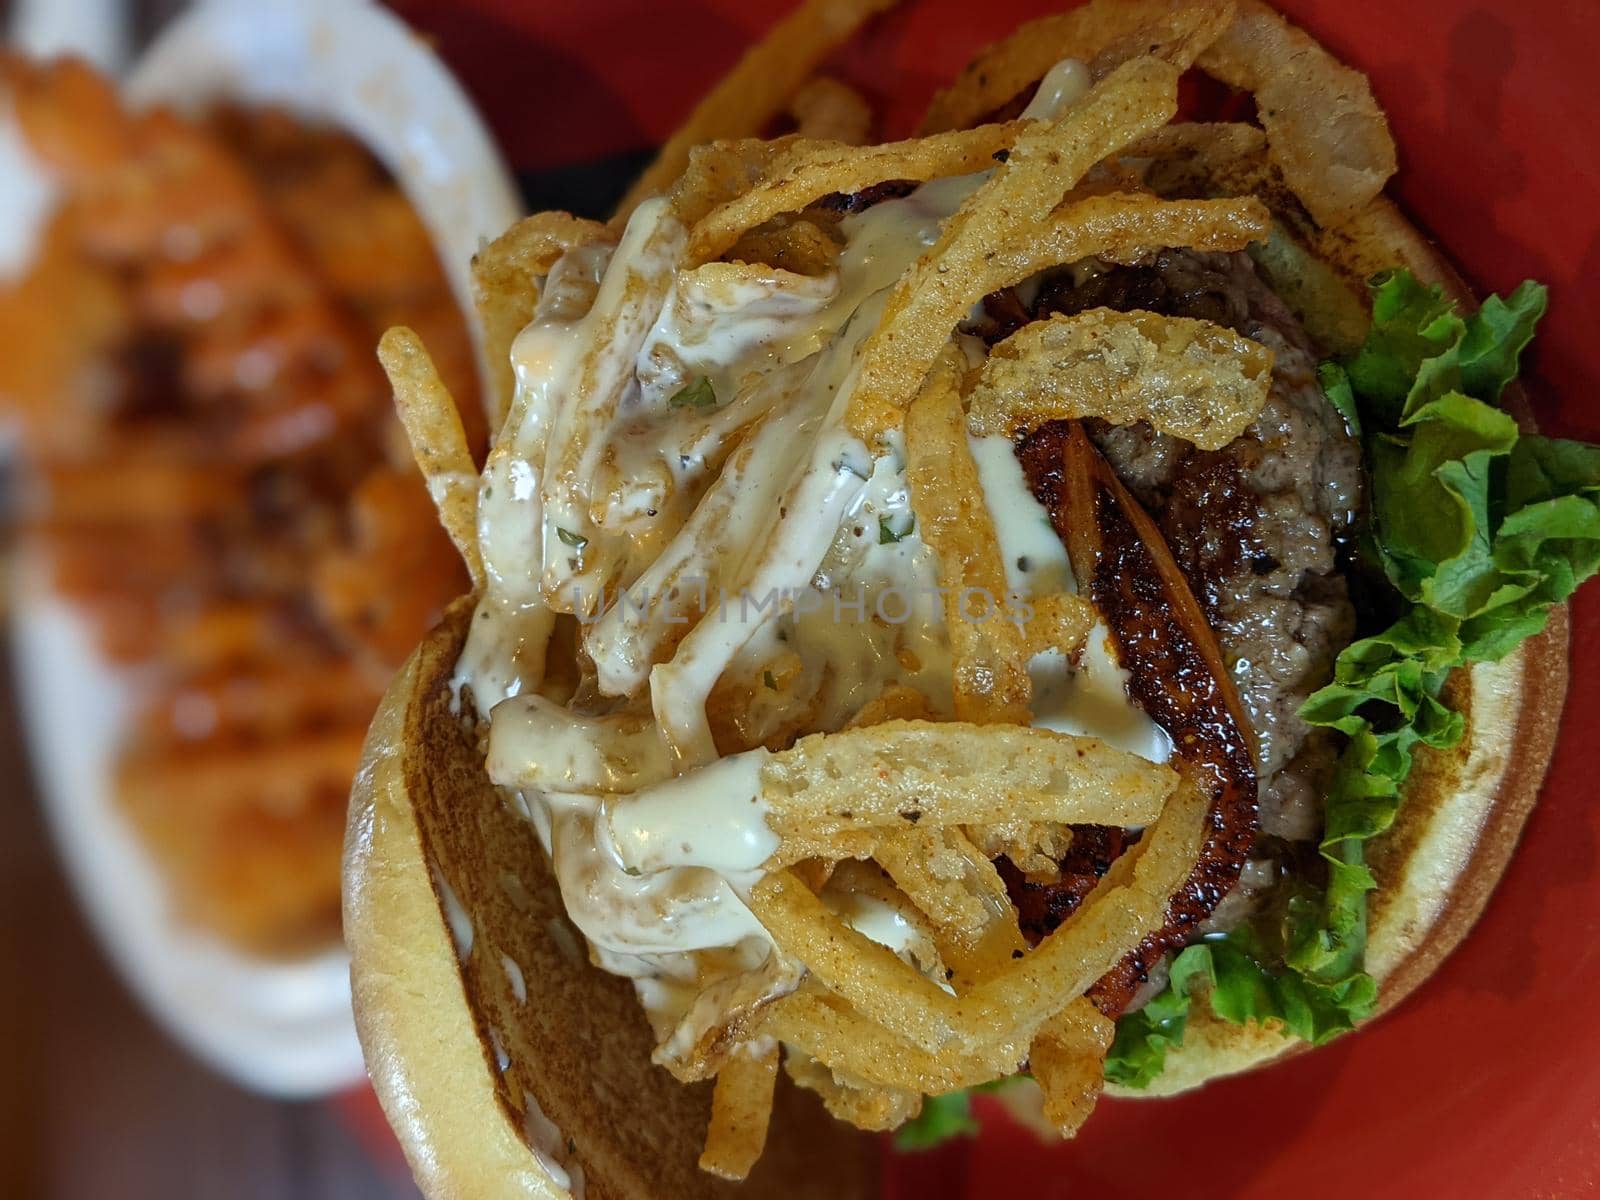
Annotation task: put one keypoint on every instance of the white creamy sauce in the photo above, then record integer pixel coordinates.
(1089, 696)
(505, 649)
(1063, 86)
(502, 1059)
(761, 548)
(549, 1146)
(664, 999)
(712, 817)
(517, 800)
(514, 977)
(872, 918)
(824, 491)
(1035, 559)
(870, 619)
(455, 915)
(539, 745)
(592, 387)
(727, 323)
(1093, 699)
(625, 641)
(887, 925)
(683, 1010)
(882, 242)
(634, 915)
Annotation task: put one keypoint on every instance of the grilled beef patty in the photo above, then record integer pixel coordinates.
(1254, 526)
(1254, 529)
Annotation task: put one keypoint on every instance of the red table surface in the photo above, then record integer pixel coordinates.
(1487, 1082)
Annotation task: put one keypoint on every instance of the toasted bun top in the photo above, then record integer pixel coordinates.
(436, 859)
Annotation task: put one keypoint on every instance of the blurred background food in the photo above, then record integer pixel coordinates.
(95, 1100)
(201, 466)
(212, 472)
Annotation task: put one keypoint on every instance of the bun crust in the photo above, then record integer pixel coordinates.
(436, 859)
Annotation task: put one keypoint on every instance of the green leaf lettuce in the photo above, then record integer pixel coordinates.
(1480, 529)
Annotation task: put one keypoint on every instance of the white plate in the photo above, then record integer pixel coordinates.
(278, 1027)
(355, 65)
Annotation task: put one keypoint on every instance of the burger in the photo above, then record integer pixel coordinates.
(1068, 601)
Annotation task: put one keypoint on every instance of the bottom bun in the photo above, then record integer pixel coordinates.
(506, 1063)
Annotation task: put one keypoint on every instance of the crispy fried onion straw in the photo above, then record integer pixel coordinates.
(1045, 162)
(1104, 33)
(804, 171)
(741, 1107)
(926, 1037)
(1192, 379)
(439, 443)
(833, 790)
(1116, 226)
(991, 672)
(757, 89)
(507, 277)
(1328, 136)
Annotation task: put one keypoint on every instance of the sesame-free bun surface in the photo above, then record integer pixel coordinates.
(432, 842)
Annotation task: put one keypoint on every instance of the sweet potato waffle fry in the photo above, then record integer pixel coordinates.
(216, 481)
